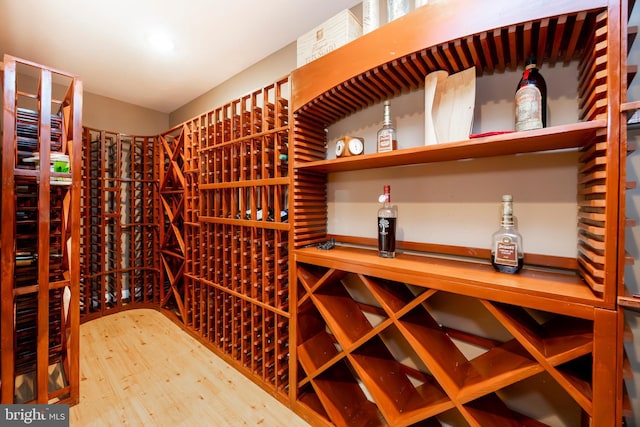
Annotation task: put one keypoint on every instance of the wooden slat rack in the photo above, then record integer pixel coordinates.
(39, 314)
(373, 345)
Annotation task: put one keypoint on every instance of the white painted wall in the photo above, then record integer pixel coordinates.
(458, 202)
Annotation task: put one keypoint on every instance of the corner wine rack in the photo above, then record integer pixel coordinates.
(194, 222)
(225, 234)
(374, 344)
(40, 234)
(120, 265)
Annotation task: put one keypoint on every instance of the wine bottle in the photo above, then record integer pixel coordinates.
(506, 250)
(387, 218)
(531, 98)
(387, 140)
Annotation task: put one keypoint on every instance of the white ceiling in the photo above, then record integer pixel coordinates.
(104, 42)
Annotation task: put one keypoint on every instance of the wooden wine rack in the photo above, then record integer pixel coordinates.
(172, 244)
(120, 263)
(183, 231)
(39, 315)
(369, 347)
(224, 231)
(196, 222)
(243, 273)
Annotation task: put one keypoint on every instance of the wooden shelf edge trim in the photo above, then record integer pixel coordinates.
(245, 183)
(630, 302)
(283, 226)
(534, 289)
(425, 27)
(461, 251)
(626, 107)
(123, 270)
(573, 136)
(11, 58)
(242, 296)
(261, 134)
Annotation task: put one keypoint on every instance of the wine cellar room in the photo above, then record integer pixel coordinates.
(321, 218)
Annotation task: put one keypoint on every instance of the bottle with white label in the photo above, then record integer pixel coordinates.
(387, 140)
(507, 255)
(531, 98)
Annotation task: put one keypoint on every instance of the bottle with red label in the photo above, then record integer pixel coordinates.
(531, 98)
(507, 255)
(387, 140)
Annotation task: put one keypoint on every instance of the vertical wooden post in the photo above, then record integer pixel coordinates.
(74, 256)
(44, 227)
(606, 348)
(8, 232)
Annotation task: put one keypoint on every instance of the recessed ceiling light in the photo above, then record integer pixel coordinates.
(160, 42)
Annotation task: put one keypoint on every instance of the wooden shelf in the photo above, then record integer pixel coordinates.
(553, 138)
(391, 387)
(498, 367)
(532, 288)
(349, 300)
(317, 351)
(272, 225)
(347, 404)
(631, 302)
(336, 335)
(248, 183)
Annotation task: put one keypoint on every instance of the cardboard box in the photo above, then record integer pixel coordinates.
(333, 33)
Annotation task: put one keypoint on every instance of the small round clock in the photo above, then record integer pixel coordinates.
(339, 148)
(349, 146)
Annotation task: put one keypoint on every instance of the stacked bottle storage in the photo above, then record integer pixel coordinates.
(170, 291)
(112, 190)
(237, 276)
(143, 220)
(194, 133)
(373, 342)
(120, 232)
(40, 234)
(92, 236)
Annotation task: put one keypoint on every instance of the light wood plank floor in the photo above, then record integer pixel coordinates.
(138, 368)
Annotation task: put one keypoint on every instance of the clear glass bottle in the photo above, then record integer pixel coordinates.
(370, 15)
(387, 139)
(507, 255)
(396, 9)
(387, 219)
(531, 98)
